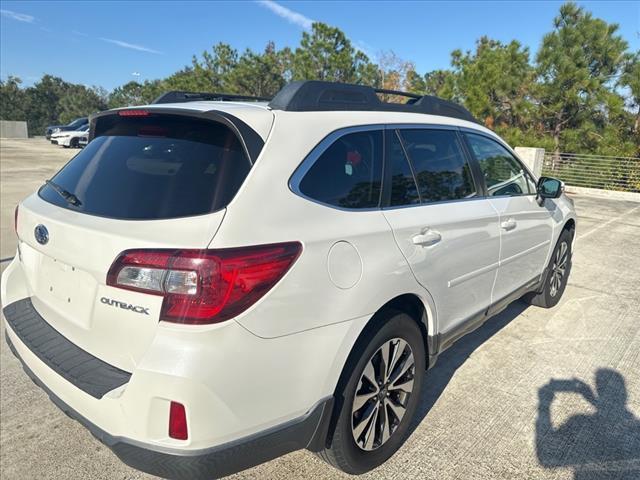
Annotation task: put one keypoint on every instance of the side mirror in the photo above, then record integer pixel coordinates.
(549, 187)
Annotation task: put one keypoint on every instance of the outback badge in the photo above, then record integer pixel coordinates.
(125, 306)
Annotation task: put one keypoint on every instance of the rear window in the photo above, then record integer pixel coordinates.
(153, 167)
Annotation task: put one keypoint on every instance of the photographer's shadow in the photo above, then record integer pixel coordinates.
(603, 445)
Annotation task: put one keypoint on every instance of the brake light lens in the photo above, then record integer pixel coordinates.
(204, 286)
(133, 113)
(178, 422)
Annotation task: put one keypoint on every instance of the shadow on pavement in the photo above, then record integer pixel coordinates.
(602, 446)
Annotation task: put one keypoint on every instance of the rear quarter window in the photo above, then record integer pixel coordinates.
(348, 174)
(153, 167)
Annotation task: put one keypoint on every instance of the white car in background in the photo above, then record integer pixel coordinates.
(210, 284)
(70, 138)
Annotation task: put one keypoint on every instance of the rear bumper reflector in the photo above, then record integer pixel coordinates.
(88, 373)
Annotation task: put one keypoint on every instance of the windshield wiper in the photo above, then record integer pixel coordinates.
(68, 196)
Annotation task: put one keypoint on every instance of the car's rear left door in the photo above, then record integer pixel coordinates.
(446, 229)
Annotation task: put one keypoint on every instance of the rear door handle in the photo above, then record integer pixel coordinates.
(509, 224)
(427, 238)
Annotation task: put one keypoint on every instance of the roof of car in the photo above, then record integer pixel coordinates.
(260, 116)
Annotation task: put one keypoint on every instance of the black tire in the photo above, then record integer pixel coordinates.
(343, 452)
(73, 143)
(553, 288)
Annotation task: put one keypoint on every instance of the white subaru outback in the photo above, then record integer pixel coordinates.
(215, 281)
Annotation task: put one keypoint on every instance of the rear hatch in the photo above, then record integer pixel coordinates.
(148, 179)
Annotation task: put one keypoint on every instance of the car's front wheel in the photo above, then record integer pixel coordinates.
(380, 397)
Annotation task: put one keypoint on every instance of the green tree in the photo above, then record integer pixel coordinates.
(12, 99)
(259, 74)
(440, 83)
(79, 101)
(42, 104)
(630, 79)
(326, 53)
(576, 65)
(494, 82)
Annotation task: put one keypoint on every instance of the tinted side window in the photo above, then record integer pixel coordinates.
(404, 190)
(503, 174)
(349, 173)
(439, 164)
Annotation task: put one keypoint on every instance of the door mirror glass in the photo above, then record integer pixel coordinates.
(549, 187)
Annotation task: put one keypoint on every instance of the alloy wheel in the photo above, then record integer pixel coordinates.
(382, 394)
(559, 269)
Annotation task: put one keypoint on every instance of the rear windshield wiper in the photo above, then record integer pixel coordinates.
(68, 196)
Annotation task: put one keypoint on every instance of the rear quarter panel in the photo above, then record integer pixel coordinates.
(267, 211)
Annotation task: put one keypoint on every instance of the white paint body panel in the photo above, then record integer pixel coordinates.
(276, 360)
(460, 269)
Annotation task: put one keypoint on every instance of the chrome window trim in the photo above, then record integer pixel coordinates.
(317, 151)
(306, 164)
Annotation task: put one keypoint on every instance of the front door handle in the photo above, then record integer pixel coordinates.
(427, 238)
(509, 224)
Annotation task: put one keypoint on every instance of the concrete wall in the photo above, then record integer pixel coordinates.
(9, 129)
(532, 157)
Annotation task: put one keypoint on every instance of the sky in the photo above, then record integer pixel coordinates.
(110, 43)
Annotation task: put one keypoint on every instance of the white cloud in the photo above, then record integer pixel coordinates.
(131, 46)
(289, 15)
(81, 34)
(21, 17)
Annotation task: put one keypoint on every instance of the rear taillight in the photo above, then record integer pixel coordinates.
(178, 422)
(204, 286)
(15, 219)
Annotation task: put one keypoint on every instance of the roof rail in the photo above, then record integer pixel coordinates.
(177, 96)
(314, 95)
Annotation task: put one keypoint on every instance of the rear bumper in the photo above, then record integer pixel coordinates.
(307, 431)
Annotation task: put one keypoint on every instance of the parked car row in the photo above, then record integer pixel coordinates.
(73, 135)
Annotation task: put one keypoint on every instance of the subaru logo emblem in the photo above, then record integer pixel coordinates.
(42, 234)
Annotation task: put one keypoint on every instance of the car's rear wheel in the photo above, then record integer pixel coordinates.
(73, 143)
(380, 397)
(558, 274)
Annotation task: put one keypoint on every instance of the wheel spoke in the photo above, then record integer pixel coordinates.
(360, 400)
(370, 374)
(397, 409)
(400, 372)
(563, 249)
(365, 420)
(370, 434)
(385, 425)
(406, 386)
(385, 352)
(398, 352)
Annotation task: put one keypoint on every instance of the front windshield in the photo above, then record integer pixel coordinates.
(77, 122)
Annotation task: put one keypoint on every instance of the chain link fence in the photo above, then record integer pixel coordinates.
(594, 171)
